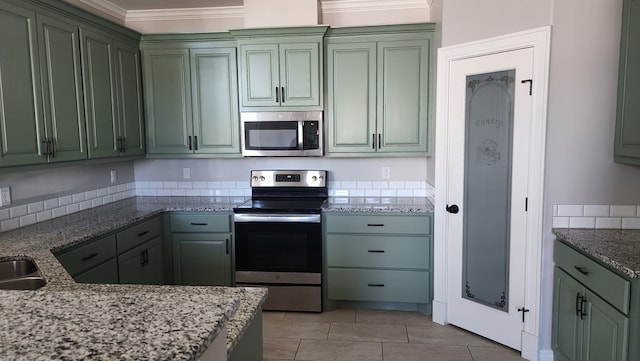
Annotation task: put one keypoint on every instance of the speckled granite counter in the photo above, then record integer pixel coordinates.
(618, 248)
(379, 204)
(66, 320)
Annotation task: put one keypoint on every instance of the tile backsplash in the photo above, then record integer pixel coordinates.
(26, 214)
(596, 216)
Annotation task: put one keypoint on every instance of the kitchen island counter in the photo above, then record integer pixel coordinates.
(618, 248)
(73, 321)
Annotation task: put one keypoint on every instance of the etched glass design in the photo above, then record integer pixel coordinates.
(487, 188)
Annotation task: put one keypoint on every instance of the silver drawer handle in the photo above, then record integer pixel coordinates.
(582, 270)
(375, 284)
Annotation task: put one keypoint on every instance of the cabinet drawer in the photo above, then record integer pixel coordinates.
(106, 273)
(409, 252)
(379, 285)
(608, 285)
(200, 222)
(138, 234)
(88, 255)
(378, 224)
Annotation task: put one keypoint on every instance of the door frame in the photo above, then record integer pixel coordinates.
(540, 40)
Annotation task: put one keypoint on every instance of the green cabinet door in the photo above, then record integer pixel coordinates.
(402, 96)
(259, 74)
(567, 328)
(214, 92)
(62, 89)
(129, 85)
(606, 331)
(21, 120)
(351, 105)
(168, 100)
(202, 259)
(106, 273)
(281, 75)
(627, 138)
(299, 74)
(585, 327)
(142, 264)
(100, 93)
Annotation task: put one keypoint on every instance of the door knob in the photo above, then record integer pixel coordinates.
(452, 209)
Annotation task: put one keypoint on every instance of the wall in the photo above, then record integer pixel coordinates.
(582, 99)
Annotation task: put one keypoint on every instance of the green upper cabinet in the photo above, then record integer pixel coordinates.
(191, 99)
(21, 119)
(281, 68)
(627, 138)
(379, 97)
(62, 89)
(113, 95)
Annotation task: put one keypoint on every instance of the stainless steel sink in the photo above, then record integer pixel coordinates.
(20, 274)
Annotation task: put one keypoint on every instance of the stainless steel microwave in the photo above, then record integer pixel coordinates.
(281, 134)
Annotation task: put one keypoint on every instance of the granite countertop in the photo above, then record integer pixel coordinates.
(379, 204)
(618, 248)
(67, 320)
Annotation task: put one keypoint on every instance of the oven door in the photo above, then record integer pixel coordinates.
(278, 243)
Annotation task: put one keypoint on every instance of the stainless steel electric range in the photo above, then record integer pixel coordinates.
(278, 238)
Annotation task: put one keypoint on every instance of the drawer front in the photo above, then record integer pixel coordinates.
(138, 234)
(378, 285)
(88, 255)
(200, 222)
(608, 285)
(106, 273)
(378, 224)
(408, 252)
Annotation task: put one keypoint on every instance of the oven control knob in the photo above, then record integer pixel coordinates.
(255, 177)
(314, 178)
(262, 178)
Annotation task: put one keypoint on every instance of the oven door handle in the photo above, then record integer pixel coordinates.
(281, 218)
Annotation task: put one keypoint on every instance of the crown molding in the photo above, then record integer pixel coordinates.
(106, 7)
(342, 6)
(186, 13)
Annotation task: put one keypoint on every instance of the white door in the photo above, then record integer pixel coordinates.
(490, 115)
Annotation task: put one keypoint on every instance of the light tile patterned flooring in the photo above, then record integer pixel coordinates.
(372, 335)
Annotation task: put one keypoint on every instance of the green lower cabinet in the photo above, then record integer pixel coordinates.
(142, 264)
(202, 259)
(585, 327)
(249, 347)
(106, 273)
(379, 260)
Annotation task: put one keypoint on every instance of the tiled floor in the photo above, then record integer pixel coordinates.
(372, 335)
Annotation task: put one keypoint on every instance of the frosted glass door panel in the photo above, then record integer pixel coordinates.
(487, 188)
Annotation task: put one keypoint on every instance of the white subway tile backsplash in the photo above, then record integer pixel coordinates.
(213, 185)
(4, 214)
(178, 192)
(28, 220)
(388, 193)
(78, 197)
(88, 195)
(555, 210)
(199, 185)
(582, 222)
(112, 189)
(419, 192)
(51, 203)
(122, 187)
(118, 196)
(63, 201)
(236, 193)
(405, 193)
(155, 185)
(10, 224)
(596, 211)
(185, 185)
(608, 222)
(96, 202)
(357, 193)
(107, 199)
(59, 212)
(243, 185)
(413, 185)
(44, 215)
(102, 192)
(623, 211)
(84, 205)
(149, 192)
(142, 184)
(18, 211)
(560, 222)
(570, 210)
(380, 185)
(372, 192)
(164, 192)
(630, 223)
(229, 185)
(349, 185)
(207, 193)
(222, 192)
(72, 208)
(35, 207)
(169, 185)
(364, 184)
(193, 192)
(396, 185)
